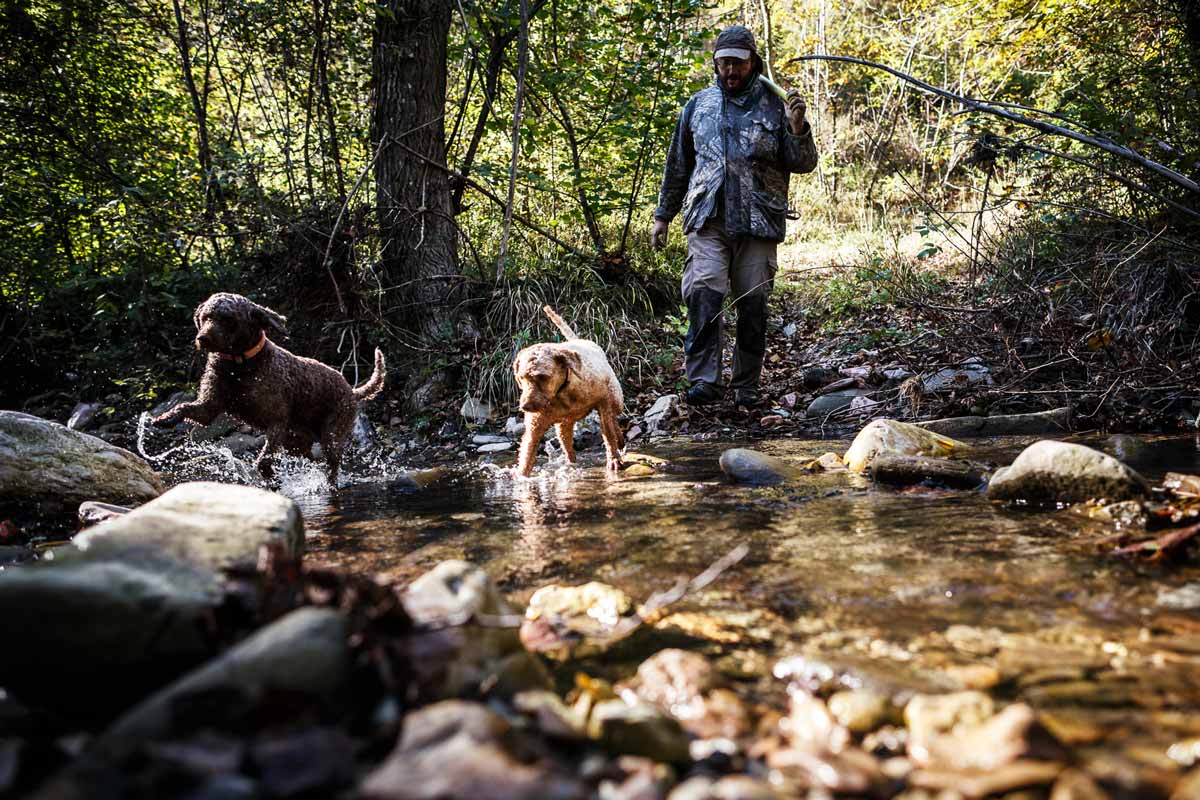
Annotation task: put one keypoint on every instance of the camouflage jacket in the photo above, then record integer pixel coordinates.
(741, 144)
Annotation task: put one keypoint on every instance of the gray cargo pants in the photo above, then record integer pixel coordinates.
(716, 265)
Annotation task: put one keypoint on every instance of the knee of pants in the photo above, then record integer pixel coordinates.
(704, 312)
(752, 323)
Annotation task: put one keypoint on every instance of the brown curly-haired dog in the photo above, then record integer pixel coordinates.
(295, 400)
(560, 383)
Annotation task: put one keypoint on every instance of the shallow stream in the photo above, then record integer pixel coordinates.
(913, 589)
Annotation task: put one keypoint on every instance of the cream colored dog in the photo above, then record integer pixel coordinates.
(560, 384)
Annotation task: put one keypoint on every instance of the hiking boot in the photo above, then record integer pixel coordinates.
(703, 394)
(745, 397)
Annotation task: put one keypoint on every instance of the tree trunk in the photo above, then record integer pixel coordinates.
(413, 198)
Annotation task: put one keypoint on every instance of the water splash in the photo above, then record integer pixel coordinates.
(295, 476)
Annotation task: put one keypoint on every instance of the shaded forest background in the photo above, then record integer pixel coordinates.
(352, 164)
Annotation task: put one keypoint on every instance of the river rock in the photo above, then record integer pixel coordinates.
(83, 415)
(472, 643)
(211, 526)
(93, 513)
(574, 621)
(827, 404)
(130, 598)
(457, 749)
(730, 787)
(972, 784)
(930, 715)
(476, 411)
(304, 652)
(639, 729)
(662, 409)
(44, 461)
(890, 437)
(1182, 598)
(753, 467)
(969, 373)
(1050, 472)
(989, 745)
(861, 711)
(489, 438)
(686, 686)
(1042, 423)
(908, 470)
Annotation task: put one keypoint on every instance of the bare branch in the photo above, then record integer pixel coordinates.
(984, 106)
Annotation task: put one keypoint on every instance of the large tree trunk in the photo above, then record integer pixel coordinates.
(413, 197)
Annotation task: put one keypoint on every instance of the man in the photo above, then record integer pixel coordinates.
(727, 170)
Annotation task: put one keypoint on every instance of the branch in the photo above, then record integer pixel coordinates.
(458, 176)
(980, 105)
(523, 63)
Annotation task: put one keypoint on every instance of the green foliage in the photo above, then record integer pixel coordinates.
(131, 189)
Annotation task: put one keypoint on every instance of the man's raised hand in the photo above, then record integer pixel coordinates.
(796, 108)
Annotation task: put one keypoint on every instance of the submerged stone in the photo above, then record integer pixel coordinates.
(565, 621)
(908, 470)
(1051, 472)
(753, 467)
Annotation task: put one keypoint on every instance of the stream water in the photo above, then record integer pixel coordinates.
(917, 588)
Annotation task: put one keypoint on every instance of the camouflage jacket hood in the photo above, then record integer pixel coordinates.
(740, 143)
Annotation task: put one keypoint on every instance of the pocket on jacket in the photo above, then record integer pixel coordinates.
(764, 138)
(767, 215)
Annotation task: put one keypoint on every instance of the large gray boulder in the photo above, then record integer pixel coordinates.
(129, 601)
(42, 461)
(1050, 472)
(304, 652)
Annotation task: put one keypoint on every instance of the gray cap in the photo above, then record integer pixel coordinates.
(736, 41)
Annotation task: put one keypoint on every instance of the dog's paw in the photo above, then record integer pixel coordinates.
(615, 464)
(163, 420)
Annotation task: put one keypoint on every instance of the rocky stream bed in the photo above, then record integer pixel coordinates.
(902, 615)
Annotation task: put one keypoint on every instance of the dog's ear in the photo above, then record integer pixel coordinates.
(570, 361)
(269, 320)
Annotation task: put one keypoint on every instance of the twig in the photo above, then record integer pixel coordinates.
(337, 223)
(491, 196)
(980, 105)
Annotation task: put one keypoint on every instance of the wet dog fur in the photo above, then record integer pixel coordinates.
(295, 400)
(561, 382)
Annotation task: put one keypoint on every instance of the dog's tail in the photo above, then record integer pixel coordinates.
(560, 323)
(374, 385)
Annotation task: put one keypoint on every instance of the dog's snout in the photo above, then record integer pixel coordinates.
(203, 341)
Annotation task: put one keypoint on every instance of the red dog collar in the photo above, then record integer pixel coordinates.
(249, 354)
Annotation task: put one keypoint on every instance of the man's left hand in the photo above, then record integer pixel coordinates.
(796, 108)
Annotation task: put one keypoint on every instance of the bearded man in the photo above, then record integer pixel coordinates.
(735, 145)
